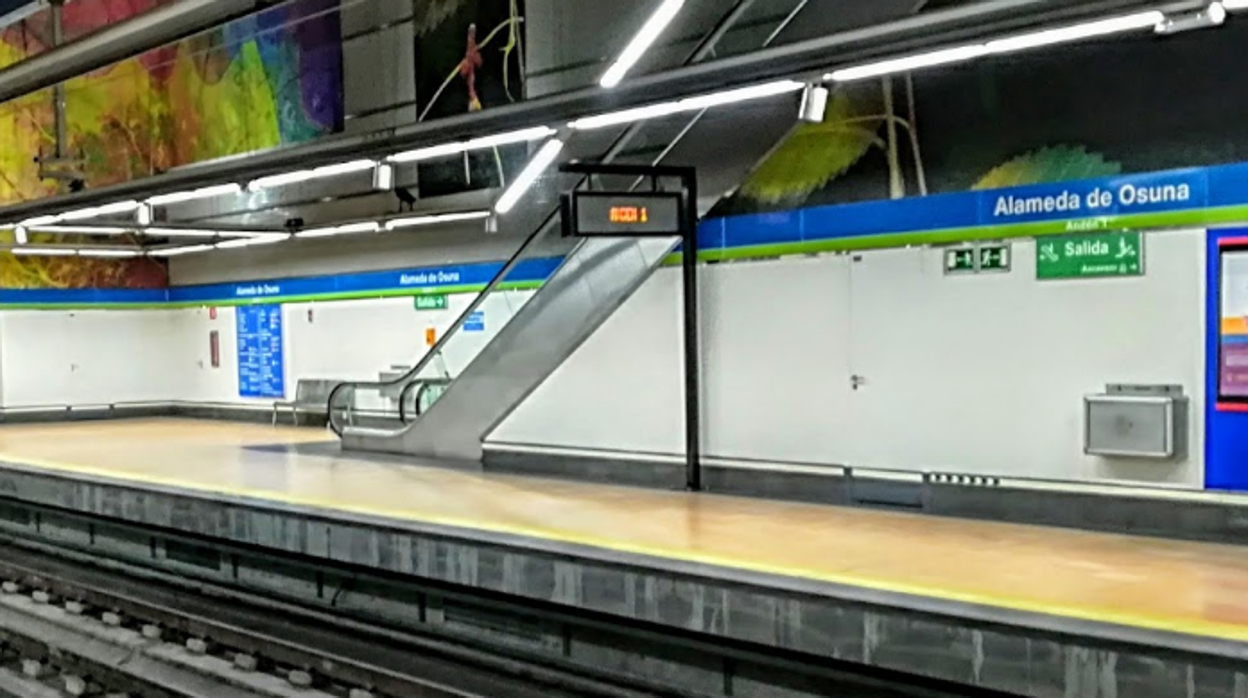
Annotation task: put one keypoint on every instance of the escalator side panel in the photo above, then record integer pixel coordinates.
(595, 280)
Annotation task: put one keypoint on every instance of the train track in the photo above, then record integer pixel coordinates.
(75, 623)
(70, 630)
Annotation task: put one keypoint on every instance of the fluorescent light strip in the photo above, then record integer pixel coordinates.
(348, 229)
(177, 251)
(308, 175)
(1011, 44)
(529, 175)
(179, 232)
(250, 241)
(417, 221)
(645, 38)
(97, 211)
(195, 194)
(79, 229)
(900, 65)
(715, 99)
(45, 251)
(110, 254)
(39, 220)
(1077, 32)
(527, 135)
(1235, 4)
(20, 236)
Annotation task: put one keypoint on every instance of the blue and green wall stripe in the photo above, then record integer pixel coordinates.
(1196, 197)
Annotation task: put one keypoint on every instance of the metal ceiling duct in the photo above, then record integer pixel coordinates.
(101, 48)
(807, 58)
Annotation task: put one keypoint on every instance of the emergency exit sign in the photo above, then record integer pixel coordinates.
(993, 257)
(984, 258)
(431, 302)
(1090, 256)
(960, 260)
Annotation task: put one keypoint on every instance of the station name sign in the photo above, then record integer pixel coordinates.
(588, 213)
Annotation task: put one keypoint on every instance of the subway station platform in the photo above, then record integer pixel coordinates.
(1031, 610)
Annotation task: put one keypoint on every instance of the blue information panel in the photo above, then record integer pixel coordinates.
(475, 322)
(261, 359)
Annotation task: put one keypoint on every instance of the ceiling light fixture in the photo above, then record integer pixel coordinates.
(1009, 44)
(641, 42)
(251, 241)
(97, 211)
(1076, 32)
(383, 177)
(179, 232)
(39, 220)
(45, 251)
(298, 176)
(1214, 15)
(529, 175)
(176, 251)
(417, 221)
(347, 229)
(527, 135)
(79, 229)
(1235, 4)
(209, 192)
(110, 254)
(20, 235)
(715, 99)
(929, 59)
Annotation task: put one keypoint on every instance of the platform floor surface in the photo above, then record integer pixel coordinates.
(1191, 588)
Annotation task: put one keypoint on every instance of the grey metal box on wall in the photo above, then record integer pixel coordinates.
(1134, 421)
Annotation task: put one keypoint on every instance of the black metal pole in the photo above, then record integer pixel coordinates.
(688, 177)
(693, 363)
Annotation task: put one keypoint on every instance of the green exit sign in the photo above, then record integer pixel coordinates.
(1090, 256)
(960, 260)
(993, 257)
(977, 259)
(431, 302)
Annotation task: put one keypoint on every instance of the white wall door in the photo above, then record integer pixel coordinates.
(40, 356)
(939, 365)
(776, 360)
(986, 374)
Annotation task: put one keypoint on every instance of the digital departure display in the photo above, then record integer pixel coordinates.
(629, 214)
(602, 213)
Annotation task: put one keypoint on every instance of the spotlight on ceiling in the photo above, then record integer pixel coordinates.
(814, 104)
(1212, 16)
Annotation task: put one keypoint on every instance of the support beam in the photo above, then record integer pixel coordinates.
(126, 39)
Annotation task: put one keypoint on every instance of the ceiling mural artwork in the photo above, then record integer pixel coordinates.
(270, 79)
(473, 52)
(1041, 117)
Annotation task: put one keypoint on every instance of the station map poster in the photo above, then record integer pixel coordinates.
(261, 355)
(1233, 330)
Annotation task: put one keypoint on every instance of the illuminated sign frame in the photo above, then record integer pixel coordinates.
(665, 209)
(1225, 401)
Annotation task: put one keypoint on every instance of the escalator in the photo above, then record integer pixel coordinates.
(449, 402)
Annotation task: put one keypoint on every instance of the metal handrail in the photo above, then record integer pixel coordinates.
(424, 386)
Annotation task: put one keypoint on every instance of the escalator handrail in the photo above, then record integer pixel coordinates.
(425, 385)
